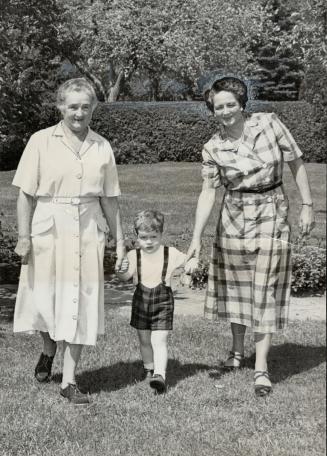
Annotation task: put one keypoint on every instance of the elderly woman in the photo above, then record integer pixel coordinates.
(70, 171)
(250, 269)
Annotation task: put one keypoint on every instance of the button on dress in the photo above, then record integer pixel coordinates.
(61, 288)
(250, 267)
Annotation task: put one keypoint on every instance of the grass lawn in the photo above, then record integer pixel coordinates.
(173, 188)
(205, 412)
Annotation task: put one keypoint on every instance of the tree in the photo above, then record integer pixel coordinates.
(156, 39)
(281, 69)
(30, 55)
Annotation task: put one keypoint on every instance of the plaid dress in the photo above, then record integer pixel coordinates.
(153, 308)
(250, 269)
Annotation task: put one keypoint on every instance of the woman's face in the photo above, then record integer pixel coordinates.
(227, 108)
(77, 111)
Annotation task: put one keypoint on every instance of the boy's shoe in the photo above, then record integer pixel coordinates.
(43, 368)
(158, 383)
(147, 374)
(74, 395)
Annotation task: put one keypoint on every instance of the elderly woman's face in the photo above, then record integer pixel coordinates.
(77, 111)
(227, 108)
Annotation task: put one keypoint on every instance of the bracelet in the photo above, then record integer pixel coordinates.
(307, 204)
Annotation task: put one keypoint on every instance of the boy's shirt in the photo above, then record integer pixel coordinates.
(152, 264)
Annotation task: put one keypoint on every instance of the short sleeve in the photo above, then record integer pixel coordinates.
(27, 173)
(210, 171)
(111, 182)
(285, 140)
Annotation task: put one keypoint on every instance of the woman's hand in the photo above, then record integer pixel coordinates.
(23, 248)
(121, 254)
(194, 249)
(124, 266)
(191, 266)
(307, 221)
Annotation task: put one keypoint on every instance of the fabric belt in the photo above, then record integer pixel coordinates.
(259, 190)
(68, 200)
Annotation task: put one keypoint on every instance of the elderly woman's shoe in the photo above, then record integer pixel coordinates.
(74, 395)
(234, 361)
(262, 383)
(43, 368)
(158, 383)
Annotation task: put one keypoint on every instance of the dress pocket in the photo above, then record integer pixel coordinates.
(282, 206)
(42, 226)
(232, 219)
(101, 223)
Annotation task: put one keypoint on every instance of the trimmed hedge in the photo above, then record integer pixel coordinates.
(149, 132)
(176, 131)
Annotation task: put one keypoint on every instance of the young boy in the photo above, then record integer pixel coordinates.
(151, 266)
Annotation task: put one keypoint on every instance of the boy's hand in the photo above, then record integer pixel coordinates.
(123, 267)
(191, 265)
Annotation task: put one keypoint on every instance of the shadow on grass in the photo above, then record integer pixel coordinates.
(123, 374)
(284, 361)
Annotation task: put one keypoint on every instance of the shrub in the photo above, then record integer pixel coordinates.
(149, 132)
(9, 261)
(146, 132)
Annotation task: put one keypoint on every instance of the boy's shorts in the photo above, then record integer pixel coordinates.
(153, 308)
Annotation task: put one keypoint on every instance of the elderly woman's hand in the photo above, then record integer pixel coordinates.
(307, 222)
(23, 248)
(121, 254)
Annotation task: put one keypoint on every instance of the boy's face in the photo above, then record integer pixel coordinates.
(149, 241)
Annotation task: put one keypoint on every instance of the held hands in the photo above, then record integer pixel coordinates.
(122, 263)
(191, 266)
(23, 249)
(307, 222)
(123, 267)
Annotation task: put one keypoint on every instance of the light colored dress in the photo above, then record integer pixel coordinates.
(250, 267)
(61, 288)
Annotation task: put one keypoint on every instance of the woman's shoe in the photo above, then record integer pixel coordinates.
(74, 395)
(234, 361)
(262, 389)
(43, 368)
(158, 383)
(147, 374)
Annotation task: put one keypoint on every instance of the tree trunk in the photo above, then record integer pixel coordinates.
(96, 81)
(155, 89)
(114, 91)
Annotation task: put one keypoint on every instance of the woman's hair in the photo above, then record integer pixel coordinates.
(75, 85)
(228, 84)
(149, 221)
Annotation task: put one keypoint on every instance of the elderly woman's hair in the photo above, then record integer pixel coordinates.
(228, 84)
(75, 85)
(149, 221)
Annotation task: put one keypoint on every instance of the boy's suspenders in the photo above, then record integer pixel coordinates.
(165, 265)
(138, 265)
(164, 269)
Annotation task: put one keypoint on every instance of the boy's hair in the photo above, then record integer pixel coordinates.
(149, 221)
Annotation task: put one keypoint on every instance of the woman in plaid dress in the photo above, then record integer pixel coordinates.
(250, 270)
